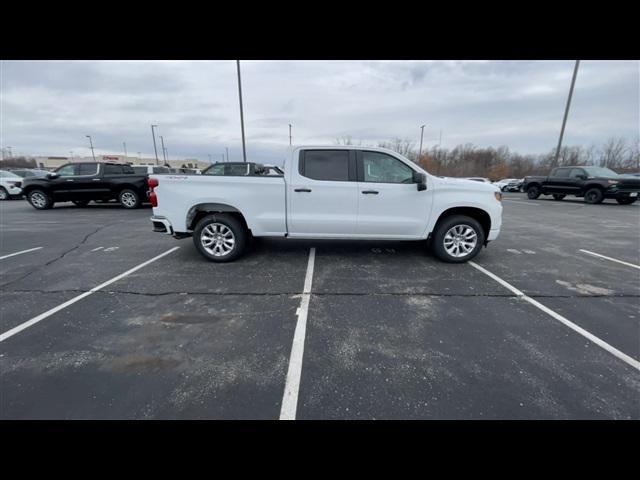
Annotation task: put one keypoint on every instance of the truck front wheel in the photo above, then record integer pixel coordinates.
(533, 192)
(593, 196)
(457, 239)
(220, 237)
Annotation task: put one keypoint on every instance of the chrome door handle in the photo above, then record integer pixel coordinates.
(97, 179)
(70, 180)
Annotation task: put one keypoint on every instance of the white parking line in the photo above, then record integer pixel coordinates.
(48, 313)
(20, 253)
(601, 343)
(292, 385)
(611, 259)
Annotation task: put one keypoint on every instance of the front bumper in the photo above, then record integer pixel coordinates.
(621, 193)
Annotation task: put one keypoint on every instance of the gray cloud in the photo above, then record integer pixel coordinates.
(49, 107)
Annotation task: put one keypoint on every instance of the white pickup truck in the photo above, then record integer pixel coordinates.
(328, 192)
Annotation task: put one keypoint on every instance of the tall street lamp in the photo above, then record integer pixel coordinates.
(566, 110)
(289, 134)
(421, 137)
(244, 151)
(164, 155)
(124, 144)
(91, 143)
(153, 134)
(227, 149)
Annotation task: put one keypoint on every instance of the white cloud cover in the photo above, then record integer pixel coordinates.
(47, 107)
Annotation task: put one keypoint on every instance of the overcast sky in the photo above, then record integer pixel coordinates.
(48, 107)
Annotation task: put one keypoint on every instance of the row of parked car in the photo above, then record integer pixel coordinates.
(13, 181)
(505, 185)
(84, 182)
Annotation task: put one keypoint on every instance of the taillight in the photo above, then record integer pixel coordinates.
(153, 183)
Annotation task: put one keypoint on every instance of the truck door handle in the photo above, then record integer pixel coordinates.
(370, 192)
(96, 179)
(302, 190)
(70, 180)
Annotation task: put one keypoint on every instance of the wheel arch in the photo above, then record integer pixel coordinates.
(478, 214)
(197, 212)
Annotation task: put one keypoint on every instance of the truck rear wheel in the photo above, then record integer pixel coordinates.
(533, 192)
(220, 237)
(457, 239)
(593, 196)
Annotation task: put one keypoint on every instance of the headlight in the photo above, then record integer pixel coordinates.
(498, 196)
(612, 182)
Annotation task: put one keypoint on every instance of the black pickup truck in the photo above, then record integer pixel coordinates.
(593, 183)
(82, 182)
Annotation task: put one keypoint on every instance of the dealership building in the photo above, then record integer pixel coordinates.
(55, 162)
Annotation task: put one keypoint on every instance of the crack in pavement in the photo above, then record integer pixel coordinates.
(59, 257)
(275, 294)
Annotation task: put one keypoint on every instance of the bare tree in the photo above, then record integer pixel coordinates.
(613, 153)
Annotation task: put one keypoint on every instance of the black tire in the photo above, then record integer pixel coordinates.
(441, 230)
(626, 201)
(4, 195)
(129, 199)
(593, 196)
(81, 203)
(239, 235)
(533, 192)
(558, 196)
(39, 199)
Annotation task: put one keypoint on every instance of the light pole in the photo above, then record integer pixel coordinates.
(124, 144)
(421, 136)
(244, 151)
(566, 110)
(153, 134)
(163, 149)
(71, 152)
(227, 149)
(91, 143)
(289, 134)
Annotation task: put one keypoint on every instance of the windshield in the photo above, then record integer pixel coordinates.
(600, 172)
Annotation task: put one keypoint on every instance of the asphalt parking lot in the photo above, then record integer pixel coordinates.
(93, 329)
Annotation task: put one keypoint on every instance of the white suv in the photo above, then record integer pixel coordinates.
(10, 185)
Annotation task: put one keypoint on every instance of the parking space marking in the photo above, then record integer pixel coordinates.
(20, 253)
(292, 385)
(48, 313)
(601, 343)
(96, 249)
(611, 259)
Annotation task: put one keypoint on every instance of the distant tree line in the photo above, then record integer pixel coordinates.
(468, 160)
(18, 162)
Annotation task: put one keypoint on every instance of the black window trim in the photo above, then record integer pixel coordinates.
(352, 169)
(360, 167)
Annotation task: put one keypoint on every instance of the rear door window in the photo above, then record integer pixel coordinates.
(562, 173)
(87, 169)
(328, 165)
(113, 169)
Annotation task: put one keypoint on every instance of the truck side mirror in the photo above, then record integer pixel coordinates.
(420, 179)
(51, 176)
